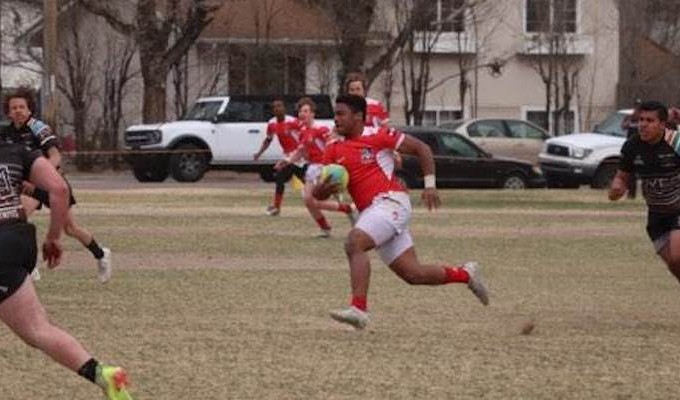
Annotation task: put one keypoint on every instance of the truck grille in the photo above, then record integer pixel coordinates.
(558, 150)
(141, 138)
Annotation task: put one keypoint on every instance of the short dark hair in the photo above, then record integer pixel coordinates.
(354, 102)
(659, 107)
(355, 77)
(306, 101)
(22, 92)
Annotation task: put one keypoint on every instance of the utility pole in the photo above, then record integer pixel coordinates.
(50, 62)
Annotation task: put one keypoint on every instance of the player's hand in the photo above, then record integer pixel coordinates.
(27, 188)
(52, 252)
(325, 189)
(617, 189)
(431, 198)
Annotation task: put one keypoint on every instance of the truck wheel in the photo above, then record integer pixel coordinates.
(150, 174)
(515, 182)
(188, 163)
(604, 176)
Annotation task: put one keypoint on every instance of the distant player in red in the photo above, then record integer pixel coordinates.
(385, 209)
(376, 114)
(287, 130)
(313, 140)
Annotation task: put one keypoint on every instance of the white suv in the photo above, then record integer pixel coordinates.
(218, 132)
(585, 158)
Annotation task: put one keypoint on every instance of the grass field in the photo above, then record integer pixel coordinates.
(211, 299)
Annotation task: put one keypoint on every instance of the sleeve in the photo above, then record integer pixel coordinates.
(28, 157)
(270, 129)
(382, 113)
(329, 154)
(388, 139)
(672, 137)
(627, 157)
(43, 134)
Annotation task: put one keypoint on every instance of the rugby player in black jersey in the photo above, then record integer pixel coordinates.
(27, 130)
(654, 155)
(20, 308)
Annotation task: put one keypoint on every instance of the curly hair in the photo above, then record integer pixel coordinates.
(22, 92)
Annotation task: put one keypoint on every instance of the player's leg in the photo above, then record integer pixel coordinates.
(101, 254)
(400, 254)
(281, 177)
(670, 253)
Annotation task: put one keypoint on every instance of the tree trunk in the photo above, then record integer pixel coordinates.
(154, 80)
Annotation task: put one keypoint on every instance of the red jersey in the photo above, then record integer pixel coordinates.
(370, 167)
(375, 113)
(314, 141)
(288, 132)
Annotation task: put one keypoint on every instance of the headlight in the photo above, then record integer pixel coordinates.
(156, 136)
(578, 152)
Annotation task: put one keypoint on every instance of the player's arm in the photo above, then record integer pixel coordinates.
(619, 185)
(263, 147)
(672, 137)
(54, 156)
(44, 175)
(413, 146)
(291, 159)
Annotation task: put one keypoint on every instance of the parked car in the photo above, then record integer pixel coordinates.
(503, 137)
(585, 158)
(218, 132)
(461, 163)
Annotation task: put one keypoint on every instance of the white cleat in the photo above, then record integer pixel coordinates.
(35, 275)
(476, 283)
(273, 211)
(324, 234)
(351, 316)
(104, 266)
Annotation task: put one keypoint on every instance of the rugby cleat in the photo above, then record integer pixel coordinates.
(114, 381)
(104, 266)
(476, 284)
(351, 316)
(273, 211)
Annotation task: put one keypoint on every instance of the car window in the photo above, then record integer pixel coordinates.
(486, 129)
(522, 130)
(203, 111)
(245, 111)
(612, 125)
(457, 146)
(430, 140)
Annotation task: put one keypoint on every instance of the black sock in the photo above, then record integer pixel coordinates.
(89, 370)
(94, 248)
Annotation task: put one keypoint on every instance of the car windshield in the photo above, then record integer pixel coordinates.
(452, 125)
(612, 125)
(203, 111)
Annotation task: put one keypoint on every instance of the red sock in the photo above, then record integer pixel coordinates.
(344, 207)
(323, 224)
(278, 199)
(456, 275)
(360, 302)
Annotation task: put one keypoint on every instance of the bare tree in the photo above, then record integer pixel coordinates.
(152, 27)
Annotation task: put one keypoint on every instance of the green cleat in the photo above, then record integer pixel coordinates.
(114, 381)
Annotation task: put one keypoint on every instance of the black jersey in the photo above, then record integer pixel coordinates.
(34, 135)
(658, 166)
(15, 167)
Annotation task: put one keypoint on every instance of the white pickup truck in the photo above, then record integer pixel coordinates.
(221, 132)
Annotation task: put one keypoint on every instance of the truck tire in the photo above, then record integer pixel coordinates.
(514, 181)
(142, 174)
(604, 175)
(188, 163)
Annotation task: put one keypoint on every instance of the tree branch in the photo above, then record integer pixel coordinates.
(110, 14)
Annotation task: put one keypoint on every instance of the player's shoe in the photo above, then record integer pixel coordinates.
(114, 381)
(351, 316)
(324, 234)
(476, 283)
(104, 266)
(273, 211)
(35, 275)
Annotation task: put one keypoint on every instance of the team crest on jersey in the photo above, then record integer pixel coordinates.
(367, 155)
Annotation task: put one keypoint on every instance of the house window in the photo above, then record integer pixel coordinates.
(266, 70)
(444, 16)
(551, 16)
(439, 117)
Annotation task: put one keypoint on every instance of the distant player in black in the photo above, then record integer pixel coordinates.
(654, 156)
(36, 135)
(20, 308)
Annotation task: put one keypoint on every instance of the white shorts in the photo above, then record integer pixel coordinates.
(386, 222)
(313, 172)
